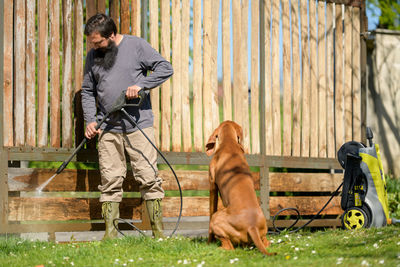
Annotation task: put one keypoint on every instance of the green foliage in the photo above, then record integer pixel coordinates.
(393, 190)
(390, 13)
(366, 247)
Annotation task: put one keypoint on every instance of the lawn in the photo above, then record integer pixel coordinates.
(366, 247)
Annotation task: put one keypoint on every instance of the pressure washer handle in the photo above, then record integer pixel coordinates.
(369, 135)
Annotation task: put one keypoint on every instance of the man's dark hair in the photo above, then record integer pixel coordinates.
(102, 24)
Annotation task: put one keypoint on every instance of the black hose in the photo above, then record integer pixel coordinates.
(166, 161)
(298, 215)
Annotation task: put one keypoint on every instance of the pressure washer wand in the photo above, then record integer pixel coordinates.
(118, 105)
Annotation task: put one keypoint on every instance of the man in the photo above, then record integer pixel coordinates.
(117, 63)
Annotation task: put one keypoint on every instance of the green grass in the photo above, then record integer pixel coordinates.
(367, 247)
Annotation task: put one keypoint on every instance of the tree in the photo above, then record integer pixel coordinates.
(390, 13)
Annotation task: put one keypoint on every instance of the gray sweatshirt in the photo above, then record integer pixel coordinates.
(135, 58)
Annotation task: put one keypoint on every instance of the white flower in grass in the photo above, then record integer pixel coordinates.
(296, 249)
(376, 245)
(307, 245)
(116, 259)
(130, 260)
(160, 239)
(279, 240)
(364, 263)
(379, 233)
(309, 237)
(124, 264)
(382, 262)
(179, 261)
(398, 243)
(287, 236)
(295, 258)
(233, 260)
(72, 263)
(66, 258)
(185, 261)
(140, 259)
(313, 252)
(339, 261)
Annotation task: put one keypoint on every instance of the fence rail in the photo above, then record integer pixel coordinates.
(297, 102)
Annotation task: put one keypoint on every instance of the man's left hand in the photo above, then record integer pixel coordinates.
(133, 91)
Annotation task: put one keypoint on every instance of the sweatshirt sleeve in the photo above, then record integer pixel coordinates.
(152, 60)
(88, 92)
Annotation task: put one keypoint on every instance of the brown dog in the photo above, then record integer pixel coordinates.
(229, 173)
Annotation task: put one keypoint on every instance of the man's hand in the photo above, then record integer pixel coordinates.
(133, 91)
(91, 130)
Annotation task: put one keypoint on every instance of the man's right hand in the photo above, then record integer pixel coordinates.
(91, 130)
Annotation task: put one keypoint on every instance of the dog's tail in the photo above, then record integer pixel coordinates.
(255, 236)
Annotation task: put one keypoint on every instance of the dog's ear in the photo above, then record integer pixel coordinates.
(239, 133)
(212, 140)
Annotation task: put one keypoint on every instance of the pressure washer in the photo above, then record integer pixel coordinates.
(364, 196)
(119, 106)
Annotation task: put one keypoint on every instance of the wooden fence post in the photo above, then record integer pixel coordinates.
(3, 154)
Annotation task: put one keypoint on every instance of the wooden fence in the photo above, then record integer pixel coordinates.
(297, 102)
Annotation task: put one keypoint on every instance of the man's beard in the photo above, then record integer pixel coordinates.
(105, 57)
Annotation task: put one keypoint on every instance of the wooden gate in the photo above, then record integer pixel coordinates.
(291, 73)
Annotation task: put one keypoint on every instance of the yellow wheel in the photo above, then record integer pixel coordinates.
(354, 218)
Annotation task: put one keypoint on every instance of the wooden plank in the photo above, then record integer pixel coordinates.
(286, 80)
(78, 72)
(165, 141)
(114, 13)
(296, 61)
(304, 182)
(8, 80)
(91, 10)
(236, 36)
(305, 119)
(88, 180)
(30, 74)
(255, 90)
(177, 79)
(197, 78)
(226, 60)
(207, 55)
(268, 89)
(155, 92)
(67, 75)
(348, 96)
(356, 82)
(186, 121)
(330, 124)
(136, 17)
(306, 205)
(322, 92)
(64, 209)
(313, 82)
(244, 77)
(214, 65)
(125, 18)
(276, 98)
(55, 114)
(339, 101)
(101, 6)
(363, 71)
(19, 74)
(43, 75)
